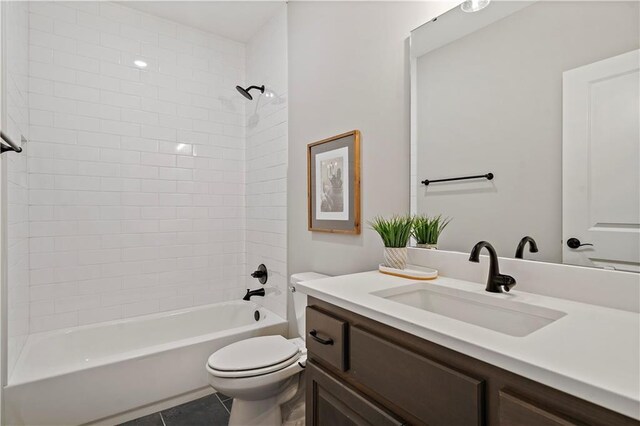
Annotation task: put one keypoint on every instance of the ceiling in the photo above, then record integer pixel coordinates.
(237, 20)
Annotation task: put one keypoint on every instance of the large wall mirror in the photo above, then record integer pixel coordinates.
(543, 95)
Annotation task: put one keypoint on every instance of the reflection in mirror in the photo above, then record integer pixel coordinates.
(545, 96)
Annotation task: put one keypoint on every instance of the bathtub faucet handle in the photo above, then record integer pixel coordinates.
(261, 274)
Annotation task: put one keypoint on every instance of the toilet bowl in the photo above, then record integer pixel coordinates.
(262, 373)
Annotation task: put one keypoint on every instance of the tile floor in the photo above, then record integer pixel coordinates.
(212, 410)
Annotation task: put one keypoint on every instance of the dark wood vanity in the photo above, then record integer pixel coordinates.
(362, 372)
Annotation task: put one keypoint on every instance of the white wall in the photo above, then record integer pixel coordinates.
(15, 71)
(266, 156)
(349, 69)
(136, 177)
(492, 102)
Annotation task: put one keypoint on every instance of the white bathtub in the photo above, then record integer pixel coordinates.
(84, 374)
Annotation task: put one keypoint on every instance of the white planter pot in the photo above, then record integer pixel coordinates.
(395, 257)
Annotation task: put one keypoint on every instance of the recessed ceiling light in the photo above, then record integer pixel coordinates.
(474, 5)
(139, 63)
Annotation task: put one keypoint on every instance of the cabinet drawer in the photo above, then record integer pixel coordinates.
(430, 391)
(326, 338)
(518, 411)
(331, 403)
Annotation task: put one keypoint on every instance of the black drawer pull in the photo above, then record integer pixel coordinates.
(314, 334)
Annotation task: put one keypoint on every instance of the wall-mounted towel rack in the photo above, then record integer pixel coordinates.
(487, 176)
(10, 145)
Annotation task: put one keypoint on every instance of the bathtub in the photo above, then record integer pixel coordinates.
(88, 373)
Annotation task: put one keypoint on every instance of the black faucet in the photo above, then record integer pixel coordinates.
(251, 293)
(533, 247)
(496, 281)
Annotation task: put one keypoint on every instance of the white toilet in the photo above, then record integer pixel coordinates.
(261, 373)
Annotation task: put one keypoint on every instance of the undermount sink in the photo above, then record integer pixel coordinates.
(505, 316)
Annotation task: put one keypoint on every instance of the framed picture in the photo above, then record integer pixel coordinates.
(333, 179)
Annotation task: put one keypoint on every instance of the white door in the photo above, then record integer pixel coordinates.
(601, 163)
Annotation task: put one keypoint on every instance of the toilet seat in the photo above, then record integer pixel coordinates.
(253, 357)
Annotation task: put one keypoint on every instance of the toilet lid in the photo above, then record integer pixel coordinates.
(254, 353)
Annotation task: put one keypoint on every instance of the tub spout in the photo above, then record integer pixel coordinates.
(251, 293)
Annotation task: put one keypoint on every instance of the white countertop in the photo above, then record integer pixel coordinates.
(593, 352)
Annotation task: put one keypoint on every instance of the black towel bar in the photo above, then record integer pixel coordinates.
(487, 176)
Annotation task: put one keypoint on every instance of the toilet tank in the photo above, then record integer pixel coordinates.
(300, 299)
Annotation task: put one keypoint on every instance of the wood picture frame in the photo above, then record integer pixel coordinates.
(333, 184)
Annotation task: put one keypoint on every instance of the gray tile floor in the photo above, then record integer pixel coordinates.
(212, 410)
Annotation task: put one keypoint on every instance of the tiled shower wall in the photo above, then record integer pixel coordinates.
(136, 176)
(267, 159)
(16, 16)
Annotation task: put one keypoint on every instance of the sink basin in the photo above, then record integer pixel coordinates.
(484, 310)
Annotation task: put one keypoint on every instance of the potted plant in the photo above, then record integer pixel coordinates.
(426, 230)
(395, 234)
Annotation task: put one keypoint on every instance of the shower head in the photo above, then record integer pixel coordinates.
(245, 92)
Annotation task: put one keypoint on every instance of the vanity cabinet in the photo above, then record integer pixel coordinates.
(362, 372)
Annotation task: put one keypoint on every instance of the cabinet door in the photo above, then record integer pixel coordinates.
(517, 411)
(428, 390)
(332, 403)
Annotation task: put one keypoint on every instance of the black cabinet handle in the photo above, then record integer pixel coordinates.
(314, 335)
(575, 243)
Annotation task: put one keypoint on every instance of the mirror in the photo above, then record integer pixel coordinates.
(545, 97)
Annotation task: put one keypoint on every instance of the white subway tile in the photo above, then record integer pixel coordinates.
(121, 14)
(97, 81)
(49, 103)
(140, 308)
(97, 315)
(136, 33)
(75, 303)
(104, 54)
(120, 43)
(135, 171)
(41, 23)
(76, 122)
(53, 10)
(140, 117)
(140, 144)
(53, 322)
(51, 72)
(76, 32)
(121, 128)
(91, 168)
(158, 25)
(46, 39)
(153, 185)
(39, 86)
(97, 22)
(94, 257)
(41, 54)
(119, 99)
(76, 62)
(137, 177)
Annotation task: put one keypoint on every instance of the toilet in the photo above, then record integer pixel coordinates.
(262, 373)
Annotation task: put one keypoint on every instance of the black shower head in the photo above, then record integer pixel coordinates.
(245, 92)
